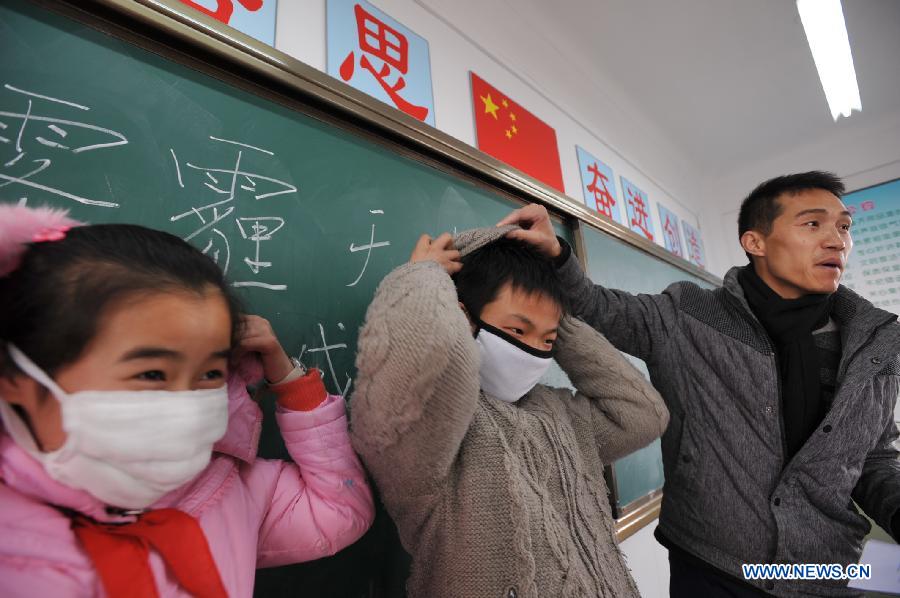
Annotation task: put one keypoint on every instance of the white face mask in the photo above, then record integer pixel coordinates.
(509, 368)
(126, 448)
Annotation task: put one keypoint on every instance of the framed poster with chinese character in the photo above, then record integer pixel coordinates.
(599, 186)
(671, 235)
(873, 269)
(255, 18)
(378, 55)
(638, 208)
(694, 243)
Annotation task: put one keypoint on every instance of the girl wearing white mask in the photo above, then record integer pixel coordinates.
(128, 442)
(494, 480)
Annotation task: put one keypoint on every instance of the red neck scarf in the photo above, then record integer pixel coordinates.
(120, 553)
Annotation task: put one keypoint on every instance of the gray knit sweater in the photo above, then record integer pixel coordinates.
(493, 499)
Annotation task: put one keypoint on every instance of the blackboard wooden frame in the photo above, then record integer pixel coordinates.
(189, 37)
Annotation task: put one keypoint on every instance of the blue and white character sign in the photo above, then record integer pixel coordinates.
(255, 18)
(377, 55)
(671, 235)
(638, 208)
(598, 186)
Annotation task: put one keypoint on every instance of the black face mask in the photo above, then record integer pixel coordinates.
(482, 325)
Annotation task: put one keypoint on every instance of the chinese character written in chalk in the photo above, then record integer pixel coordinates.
(326, 350)
(229, 190)
(368, 247)
(42, 130)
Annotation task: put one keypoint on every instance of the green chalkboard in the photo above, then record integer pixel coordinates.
(619, 266)
(305, 217)
(289, 205)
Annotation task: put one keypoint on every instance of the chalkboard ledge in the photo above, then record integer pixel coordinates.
(641, 513)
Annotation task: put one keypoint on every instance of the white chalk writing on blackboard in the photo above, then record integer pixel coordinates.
(261, 229)
(327, 349)
(368, 247)
(36, 149)
(213, 217)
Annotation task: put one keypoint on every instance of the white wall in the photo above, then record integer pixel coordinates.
(649, 563)
(517, 59)
(862, 155)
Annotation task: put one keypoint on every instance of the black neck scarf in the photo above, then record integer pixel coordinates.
(790, 324)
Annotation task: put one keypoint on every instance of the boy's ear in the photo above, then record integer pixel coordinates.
(465, 311)
(468, 316)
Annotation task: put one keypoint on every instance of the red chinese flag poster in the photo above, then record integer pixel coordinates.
(510, 133)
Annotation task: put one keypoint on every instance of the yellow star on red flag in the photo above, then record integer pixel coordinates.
(489, 106)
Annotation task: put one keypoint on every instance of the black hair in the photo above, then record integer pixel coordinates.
(760, 209)
(53, 302)
(486, 270)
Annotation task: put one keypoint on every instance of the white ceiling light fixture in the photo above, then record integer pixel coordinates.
(826, 32)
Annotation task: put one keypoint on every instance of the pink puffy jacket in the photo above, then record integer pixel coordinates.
(254, 512)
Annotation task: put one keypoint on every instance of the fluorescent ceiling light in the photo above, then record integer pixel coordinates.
(823, 21)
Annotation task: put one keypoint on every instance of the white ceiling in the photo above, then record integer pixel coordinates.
(725, 81)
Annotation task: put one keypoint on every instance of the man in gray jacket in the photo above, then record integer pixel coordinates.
(781, 387)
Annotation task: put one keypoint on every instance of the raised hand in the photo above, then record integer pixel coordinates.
(440, 250)
(536, 228)
(257, 336)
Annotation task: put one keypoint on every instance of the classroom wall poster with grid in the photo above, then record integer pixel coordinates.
(873, 270)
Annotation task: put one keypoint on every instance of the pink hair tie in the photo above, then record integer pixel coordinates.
(51, 233)
(21, 225)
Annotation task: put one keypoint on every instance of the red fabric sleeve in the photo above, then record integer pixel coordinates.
(303, 394)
